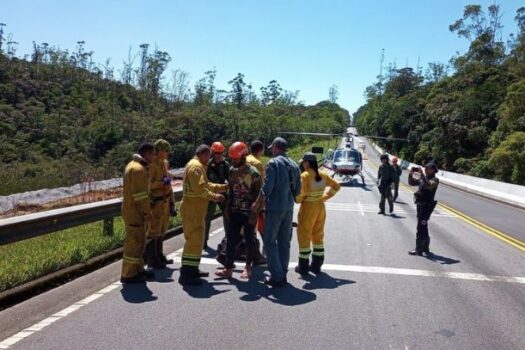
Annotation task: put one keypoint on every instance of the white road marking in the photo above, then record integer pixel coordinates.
(361, 208)
(404, 272)
(7, 343)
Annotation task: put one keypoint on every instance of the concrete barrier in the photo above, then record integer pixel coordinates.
(495, 190)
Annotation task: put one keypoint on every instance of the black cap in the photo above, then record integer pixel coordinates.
(432, 165)
(280, 143)
(202, 149)
(309, 156)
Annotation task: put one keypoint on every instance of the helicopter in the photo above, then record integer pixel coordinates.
(345, 161)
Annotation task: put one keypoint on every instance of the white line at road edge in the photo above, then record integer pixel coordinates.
(405, 272)
(12, 340)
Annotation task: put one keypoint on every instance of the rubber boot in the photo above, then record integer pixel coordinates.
(302, 266)
(160, 252)
(317, 262)
(152, 256)
(188, 276)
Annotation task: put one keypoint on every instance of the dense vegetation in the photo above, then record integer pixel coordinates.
(65, 119)
(471, 121)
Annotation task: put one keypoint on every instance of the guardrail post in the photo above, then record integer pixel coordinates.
(108, 227)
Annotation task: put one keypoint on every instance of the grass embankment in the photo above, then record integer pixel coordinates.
(27, 260)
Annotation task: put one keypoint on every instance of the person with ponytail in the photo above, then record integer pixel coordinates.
(312, 214)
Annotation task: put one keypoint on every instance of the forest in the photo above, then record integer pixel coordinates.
(66, 119)
(469, 114)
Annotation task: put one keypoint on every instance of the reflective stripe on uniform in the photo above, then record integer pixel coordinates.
(332, 191)
(318, 250)
(304, 253)
(190, 260)
(132, 260)
(140, 196)
(314, 196)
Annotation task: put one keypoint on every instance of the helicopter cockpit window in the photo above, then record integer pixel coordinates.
(345, 156)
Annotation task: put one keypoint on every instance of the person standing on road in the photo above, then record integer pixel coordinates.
(162, 205)
(398, 171)
(196, 193)
(282, 183)
(217, 173)
(136, 214)
(254, 159)
(244, 186)
(312, 214)
(385, 177)
(427, 183)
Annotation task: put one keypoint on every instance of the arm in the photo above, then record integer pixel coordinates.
(139, 189)
(411, 180)
(199, 182)
(333, 185)
(267, 187)
(304, 188)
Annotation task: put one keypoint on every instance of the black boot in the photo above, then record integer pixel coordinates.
(160, 252)
(426, 246)
(302, 266)
(419, 248)
(317, 262)
(152, 258)
(188, 276)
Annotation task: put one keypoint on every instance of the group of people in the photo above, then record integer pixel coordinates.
(250, 196)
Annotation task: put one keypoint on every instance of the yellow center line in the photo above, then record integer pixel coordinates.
(470, 220)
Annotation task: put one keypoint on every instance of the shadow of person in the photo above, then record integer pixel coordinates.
(164, 275)
(399, 202)
(395, 216)
(254, 289)
(137, 293)
(441, 259)
(324, 281)
(205, 290)
(210, 253)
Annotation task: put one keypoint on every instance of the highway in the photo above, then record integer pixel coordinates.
(372, 295)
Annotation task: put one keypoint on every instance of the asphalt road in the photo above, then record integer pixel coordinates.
(371, 295)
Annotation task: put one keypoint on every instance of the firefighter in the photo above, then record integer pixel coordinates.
(386, 176)
(312, 214)
(162, 205)
(427, 183)
(217, 172)
(136, 214)
(398, 172)
(196, 194)
(244, 186)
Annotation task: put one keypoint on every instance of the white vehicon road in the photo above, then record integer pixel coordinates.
(371, 295)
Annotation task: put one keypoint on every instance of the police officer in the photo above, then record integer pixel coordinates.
(217, 172)
(386, 175)
(427, 183)
(398, 172)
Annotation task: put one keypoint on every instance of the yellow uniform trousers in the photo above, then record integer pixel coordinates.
(160, 212)
(310, 229)
(134, 244)
(193, 212)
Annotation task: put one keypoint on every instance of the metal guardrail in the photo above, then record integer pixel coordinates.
(32, 225)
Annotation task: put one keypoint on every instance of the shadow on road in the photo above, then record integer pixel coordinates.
(441, 259)
(395, 216)
(164, 275)
(356, 185)
(204, 291)
(324, 281)
(254, 289)
(137, 293)
(209, 253)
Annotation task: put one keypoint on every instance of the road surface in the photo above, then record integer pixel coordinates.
(371, 295)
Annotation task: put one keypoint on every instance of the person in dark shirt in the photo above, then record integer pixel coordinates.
(386, 175)
(427, 184)
(398, 172)
(244, 186)
(217, 172)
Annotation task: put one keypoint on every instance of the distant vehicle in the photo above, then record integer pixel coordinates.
(345, 163)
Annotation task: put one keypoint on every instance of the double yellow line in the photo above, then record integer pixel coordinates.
(483, 227)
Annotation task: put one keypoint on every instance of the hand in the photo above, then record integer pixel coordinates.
(219, 198)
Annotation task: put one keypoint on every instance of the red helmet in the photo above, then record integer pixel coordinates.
(217, 147)
(238, 150)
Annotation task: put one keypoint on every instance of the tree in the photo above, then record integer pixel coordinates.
(238, 90)
(180, 86)
(333, 94)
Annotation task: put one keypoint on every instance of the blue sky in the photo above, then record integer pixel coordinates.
(305, 45)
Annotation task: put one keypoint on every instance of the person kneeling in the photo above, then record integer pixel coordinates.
(244, 186)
